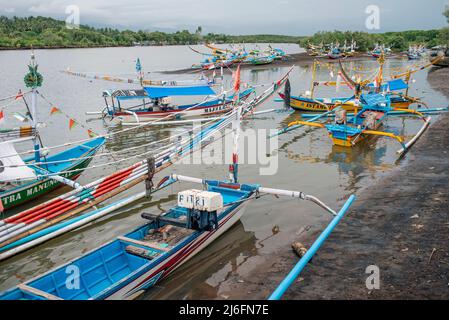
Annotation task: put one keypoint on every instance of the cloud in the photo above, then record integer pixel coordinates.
(296, 17)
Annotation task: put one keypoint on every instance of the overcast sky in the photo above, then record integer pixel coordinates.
(292, 17)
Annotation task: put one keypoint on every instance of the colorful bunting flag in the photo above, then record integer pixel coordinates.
(72, 123)
(91, 133)
(19, 95)
(54, 110)
(237, 79)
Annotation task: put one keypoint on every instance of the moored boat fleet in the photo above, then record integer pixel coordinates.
(132, 263)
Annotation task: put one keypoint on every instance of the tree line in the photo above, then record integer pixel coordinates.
(43, 32)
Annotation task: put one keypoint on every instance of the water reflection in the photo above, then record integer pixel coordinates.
(202, 276)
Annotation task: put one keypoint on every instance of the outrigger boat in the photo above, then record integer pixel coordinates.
(397, 87)
(335, 52)
(22, 180)
(155, 103)
(375, 108)
(135, 262)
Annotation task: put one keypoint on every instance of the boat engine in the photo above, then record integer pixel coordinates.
(203, 207)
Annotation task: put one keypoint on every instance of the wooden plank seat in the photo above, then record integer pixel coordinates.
(142, 252)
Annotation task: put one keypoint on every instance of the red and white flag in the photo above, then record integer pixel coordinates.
(19, 95)
(237, 79)
(2, 117)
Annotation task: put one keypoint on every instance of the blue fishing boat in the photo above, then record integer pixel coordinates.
(371, 111)
(57, 170)
(22, 180)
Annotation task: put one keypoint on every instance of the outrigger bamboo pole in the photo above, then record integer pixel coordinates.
(74, 223)
(294, 273)
(279, 192)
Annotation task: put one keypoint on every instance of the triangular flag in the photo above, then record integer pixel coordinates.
(237, 79)
(72, 123)
(91, 133)
(54, 110)
(19, 95)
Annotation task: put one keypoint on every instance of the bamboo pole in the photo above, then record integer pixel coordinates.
(294, 273)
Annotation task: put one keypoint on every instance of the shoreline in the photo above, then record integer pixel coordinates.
(400, 224)
(298, 59)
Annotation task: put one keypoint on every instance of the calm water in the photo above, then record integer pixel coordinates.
(306, 161)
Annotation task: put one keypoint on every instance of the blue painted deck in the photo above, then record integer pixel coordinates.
(105, 270)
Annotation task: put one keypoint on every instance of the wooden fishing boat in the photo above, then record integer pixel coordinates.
(155, 103)
(261, 60)
(69, 163)
(397, 88)
(130, 264)
(375, 107)
(304, 104)
(22, 180)
(335, 53)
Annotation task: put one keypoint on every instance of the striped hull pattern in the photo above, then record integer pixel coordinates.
(306, 105)
(150, 277)
(35, 189)
(61, 204)
(199, 111)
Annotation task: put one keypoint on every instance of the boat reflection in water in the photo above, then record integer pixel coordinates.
(202, 277)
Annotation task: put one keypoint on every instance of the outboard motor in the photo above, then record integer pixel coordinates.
(203, 207)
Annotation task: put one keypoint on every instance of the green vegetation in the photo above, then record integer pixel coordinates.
(41, 32)
(398, 41)
(443, 37)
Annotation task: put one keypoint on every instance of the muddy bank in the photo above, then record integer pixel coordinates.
(400, 224)
(298, 59)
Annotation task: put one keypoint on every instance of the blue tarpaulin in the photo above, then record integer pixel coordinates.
(397, 84)
(374, 99)
(166, 91)
(393, 85)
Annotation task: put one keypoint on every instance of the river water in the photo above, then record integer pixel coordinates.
(304, 160)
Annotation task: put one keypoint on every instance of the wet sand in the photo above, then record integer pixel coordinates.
(400, 224)
(298, 59)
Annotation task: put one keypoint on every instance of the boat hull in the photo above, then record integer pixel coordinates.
(175, 114)
(112, 272)
(34, 189)
(186, 112)
(162, 271)
(299, 103)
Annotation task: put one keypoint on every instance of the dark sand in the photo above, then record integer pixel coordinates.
(400, 224)
(298, 59)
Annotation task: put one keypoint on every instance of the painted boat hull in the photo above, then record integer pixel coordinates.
(110, 272)
(34, 189)
(210, 109)
(161, 272)
(350, 140)
(302, 104)
(175, 114)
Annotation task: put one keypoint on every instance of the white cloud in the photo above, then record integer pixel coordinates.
(239, 16)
